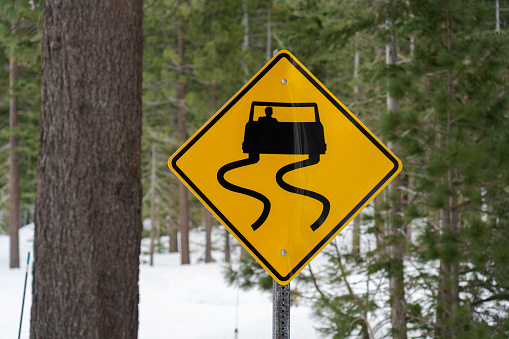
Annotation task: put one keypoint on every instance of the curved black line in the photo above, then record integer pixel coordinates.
(253, 159)
(312, 160)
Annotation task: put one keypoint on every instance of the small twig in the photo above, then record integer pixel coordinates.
(316, 284)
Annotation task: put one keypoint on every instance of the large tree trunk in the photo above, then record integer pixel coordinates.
(182, 137)
(88, 205)
(14, 195)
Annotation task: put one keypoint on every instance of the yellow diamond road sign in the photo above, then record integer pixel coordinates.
(284, 166)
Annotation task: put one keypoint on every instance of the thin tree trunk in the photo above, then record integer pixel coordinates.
(269, 31)
(212, 102)
(173, 234)
(497, 16)
(14, 194)
(152, 205)
(89, 194)
(378, 201)
(409, 182)
(245, 41)
(226, 246)
(208, 236)
(504, 21)
(378, 223)
(356, 65)
(396, 257)
(182, 137)
(449, 265)
(390, 55)
(455, 298)
(444, 302)
(412, 38)
(356, 236)
(397, 227)
(245, 46)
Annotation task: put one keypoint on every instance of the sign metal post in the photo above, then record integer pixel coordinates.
(280, 311)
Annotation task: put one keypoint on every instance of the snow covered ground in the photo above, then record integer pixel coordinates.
(192, 301)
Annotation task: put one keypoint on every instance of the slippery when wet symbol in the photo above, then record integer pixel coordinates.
(268, 135)
(284, 166)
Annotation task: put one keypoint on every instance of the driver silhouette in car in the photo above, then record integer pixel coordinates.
(267, 119)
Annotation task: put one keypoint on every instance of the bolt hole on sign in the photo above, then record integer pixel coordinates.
(284, 166)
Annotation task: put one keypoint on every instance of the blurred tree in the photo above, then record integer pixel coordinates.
(445, 215)
(454, 92)
(19, 43)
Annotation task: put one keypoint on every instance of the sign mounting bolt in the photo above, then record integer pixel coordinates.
(283, 81)
(283, 252)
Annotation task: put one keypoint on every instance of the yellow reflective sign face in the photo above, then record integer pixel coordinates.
(284, 166)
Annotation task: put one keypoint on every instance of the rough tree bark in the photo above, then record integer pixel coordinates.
(88, 206)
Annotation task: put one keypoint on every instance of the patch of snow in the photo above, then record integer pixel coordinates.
(185, 302)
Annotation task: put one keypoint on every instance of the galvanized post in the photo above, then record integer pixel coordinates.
(280, 311)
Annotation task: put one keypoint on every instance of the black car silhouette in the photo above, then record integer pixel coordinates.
(269, 136)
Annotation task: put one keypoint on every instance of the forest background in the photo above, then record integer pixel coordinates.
(429, 77)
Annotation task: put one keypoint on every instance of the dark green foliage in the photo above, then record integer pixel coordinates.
(341, 307)
(23, 45)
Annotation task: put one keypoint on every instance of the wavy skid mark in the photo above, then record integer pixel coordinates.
(312, 160)
(253, 159)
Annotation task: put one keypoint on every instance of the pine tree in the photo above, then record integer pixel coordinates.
(396, 238)
(159, 118)
(448, 116)
(19, 44)
(13, 160)
(211, 73)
